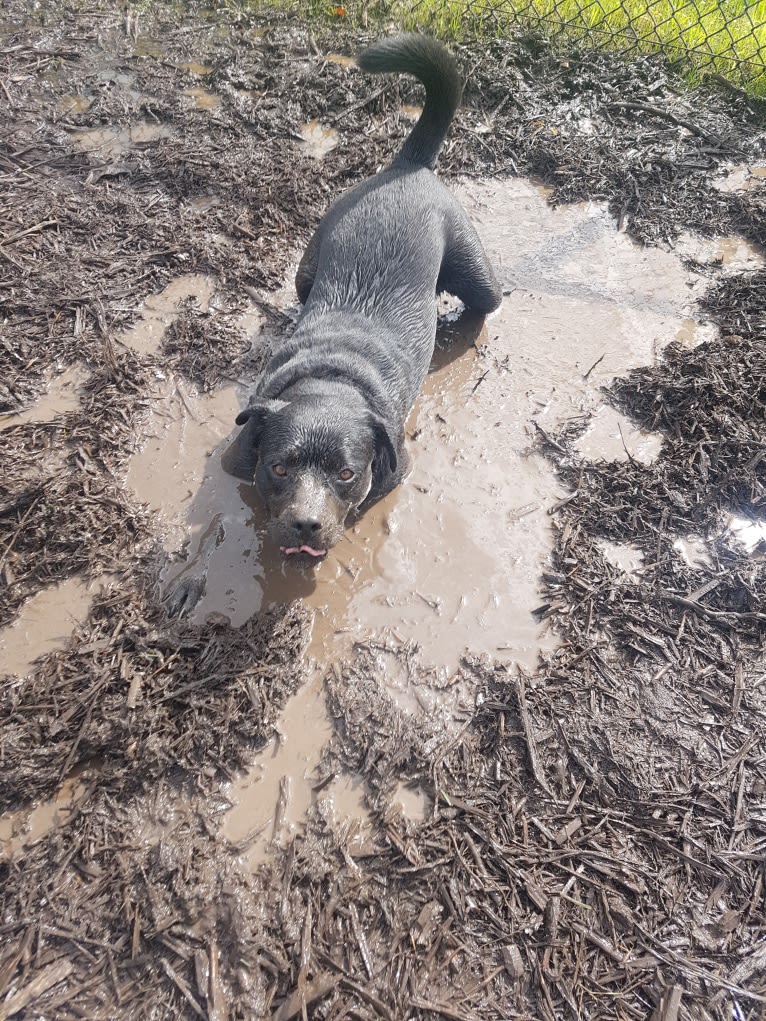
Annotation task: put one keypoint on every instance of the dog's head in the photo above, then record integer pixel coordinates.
(315, 462)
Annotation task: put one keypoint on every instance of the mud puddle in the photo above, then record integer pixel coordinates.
(175, 451)
(272, 798)
(319, 138)
(194, 67)
(739, 178)
(62, 397)
(159, 310)
(732, 254)
(20, 829)
(625, 558)
(451, 560)
(610, 436)
(202, 99)
(110, 142)
(46, 623)
(340, 59)
(73, 105)
(170, 465)
(694, 551)
(749, 532)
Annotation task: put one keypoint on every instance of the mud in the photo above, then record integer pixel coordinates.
(110, 142)
(194, 67)
(174, 449)
(61, 398)
(410, 111)
(613, 437)
(271, 801)
(74, 104)
(202, 99)
(513, 769)
(46, 623)
(741, 178)
(694, 551)
(752, 534)
(626, 558)
(733, 254)
(160, 310)
(434, 564)
(412, 802)
(341, 59)
(22, 828)
(319, 139)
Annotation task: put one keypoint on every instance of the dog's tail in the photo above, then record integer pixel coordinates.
(432, 64)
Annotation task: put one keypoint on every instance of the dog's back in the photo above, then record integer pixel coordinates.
(369, 276)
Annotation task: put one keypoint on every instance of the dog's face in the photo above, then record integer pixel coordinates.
(315, 463)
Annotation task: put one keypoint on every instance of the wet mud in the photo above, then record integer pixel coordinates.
(46, 622)
(475, 575)
(470, 580)
(109, 142)
(319, 139)
(62, 397)
(497, 756)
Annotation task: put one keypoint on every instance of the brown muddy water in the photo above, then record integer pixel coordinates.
(319, 138)
(110, 142)
(450, 561)
(18, 829)
(62, 397)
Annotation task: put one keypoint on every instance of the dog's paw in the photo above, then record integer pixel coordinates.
(182, 595)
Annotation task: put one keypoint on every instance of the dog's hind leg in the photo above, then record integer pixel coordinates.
(466, 271)
(307, 268)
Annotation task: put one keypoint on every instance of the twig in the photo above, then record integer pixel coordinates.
(40, 984)
(534, 760)
(667, 115)
(182, 987)
(30, 230)
(317, 989)
(691, 604)
(362, 102)
(598, 361)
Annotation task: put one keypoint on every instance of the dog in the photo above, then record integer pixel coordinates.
(324, 429)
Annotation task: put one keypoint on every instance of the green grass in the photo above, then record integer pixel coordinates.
(727, 37)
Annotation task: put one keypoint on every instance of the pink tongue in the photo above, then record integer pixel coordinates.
(287, 550)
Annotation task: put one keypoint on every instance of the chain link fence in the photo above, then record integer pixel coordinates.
(723, 36)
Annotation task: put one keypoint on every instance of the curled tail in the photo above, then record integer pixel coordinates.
(433, 65)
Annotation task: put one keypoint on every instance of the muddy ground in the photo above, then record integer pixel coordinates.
(503, 756)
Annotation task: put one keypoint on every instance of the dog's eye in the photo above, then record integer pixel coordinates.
(279, 469)
(346, 475)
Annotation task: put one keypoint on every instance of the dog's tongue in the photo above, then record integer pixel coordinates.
(287, 550)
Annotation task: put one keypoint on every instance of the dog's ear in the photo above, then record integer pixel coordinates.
(241, 456)
(384, 447)
(257, 412)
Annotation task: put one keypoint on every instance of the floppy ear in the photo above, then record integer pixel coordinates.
(258, 411)
(384, 447)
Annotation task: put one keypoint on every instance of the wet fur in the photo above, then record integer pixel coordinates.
(339, 390)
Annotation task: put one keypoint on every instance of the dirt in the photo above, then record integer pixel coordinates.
(46, 622)
(499, 756)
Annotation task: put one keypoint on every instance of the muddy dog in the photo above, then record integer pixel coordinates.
(324, 430)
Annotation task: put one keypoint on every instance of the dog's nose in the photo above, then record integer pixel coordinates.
(306, 527)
